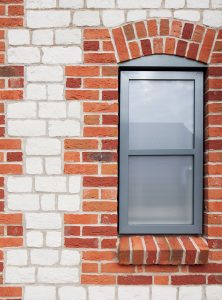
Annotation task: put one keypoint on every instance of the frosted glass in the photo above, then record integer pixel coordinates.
(160, 190)
(161, 114)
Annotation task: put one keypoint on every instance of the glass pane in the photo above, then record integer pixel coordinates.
(161, 114)
(160, 190)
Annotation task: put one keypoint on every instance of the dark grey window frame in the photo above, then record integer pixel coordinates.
(183, 69)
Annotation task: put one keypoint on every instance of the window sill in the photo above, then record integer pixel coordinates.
(162, 250)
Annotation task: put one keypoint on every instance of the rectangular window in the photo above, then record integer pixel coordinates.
(161, 152)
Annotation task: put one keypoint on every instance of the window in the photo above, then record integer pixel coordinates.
(161, 148)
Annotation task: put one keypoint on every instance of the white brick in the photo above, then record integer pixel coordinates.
(54, 184)
(18, 184)
(72, 293)
(68, 36)
(216, 3)
(198, 3)
(139, 3)
(212, 18)
(42, 37)
(34, 239)
(86, 18)
(101, 293)
(190, 15)
(18, 37)
(55, 91)
(52, 110)
(40, 3)
(190, 292)
(48, 19)
(136, 15)
(21, 110)
(74, 110)
(164, 292)
(134, 293)
(70, 258)
(58, 275)
(43, 146)
(44, 73)
(174, 3)
(213, 292)
(26, 128)
(48, 202)
(53, 165)
(71, 3)
(44, 257)
(40, 292)
(68, 202)
(16, 257)
(20, 55)
(160, 13)
(36, 91)
(64, 128)
(74, 184)
(62, 55)
(23, 202)
(53, 239)
(113, 18)
(43, 220)
(20, 275)
(34, 165)
(100, 3)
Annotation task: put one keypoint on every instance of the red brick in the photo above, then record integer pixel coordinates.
(108, 243)
(109, 219)
(10, 291)
(99, 255)
(157, 45)
(82, 95)
(187, 31)
(151, 250)
(176, 28)
(82, 71)
(89, 169)
(91, 45)
(198, 33)
(134, 49)
(207, 45)
(14, 156)
(99, 58)
(16, 10)
(164, 255)
(89, 267)
(181, 48)
(99, 181)
(188, 279)
(192, 51)
(146, 47)
(120, 44)
(81, 242)
(98, 279)
(72, 231)
(73, 83)
(14, 230)
(134, 280)
(10, 169)
(80, 219)
(81, 144)
(11, 95)
(100, 83)
(129, 32)
(170, 45)
(100, 206)
(164, 27)
(152, 27)
(109, 95)
(100, 132)
(99, 156)
(94, 34)
(137, 250)
(11, 22)
(141, 30)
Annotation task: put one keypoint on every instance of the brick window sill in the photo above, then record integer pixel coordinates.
(162, 250)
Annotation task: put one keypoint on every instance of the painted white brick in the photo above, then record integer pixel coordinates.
(43, 257)
(72, 293)
(16, 257)
(55, 91)
(26, 55)
(190, 292)
(212, 18)
(190, 15)
(40, 292)
(164, 292)
(101, 293)
(20, 275)
(213, 292)
(53, 239)
(160, 13)
(26, 128)
(216, 3)
(86, 18)
(43, 146)
(71, 3)
(74, 110)
(100, 3)
(48, 19)
(18, 184)
(62, 55)
(74, 184)
(43, 221)
(70, 258)
(198, 4)
(134, 293)
(44, 73)
(139, 3)
(36, 91)
(40, 3)
(34, 165)
(174, 3)
(54, 184)
(21, 110)
(52, 110)
(34, 239)
(53, 165)
(64, 128)
(42, 37)
(58, 275)
(48, 202)
(23, 202)
(136, 15)
(68, 36)
(113, 18)
(68, 202)
(18, 37)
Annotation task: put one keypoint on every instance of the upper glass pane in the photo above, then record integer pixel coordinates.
(161, 114)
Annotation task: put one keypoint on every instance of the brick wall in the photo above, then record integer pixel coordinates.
(58, 158)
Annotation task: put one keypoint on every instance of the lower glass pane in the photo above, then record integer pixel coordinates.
(160, 190)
